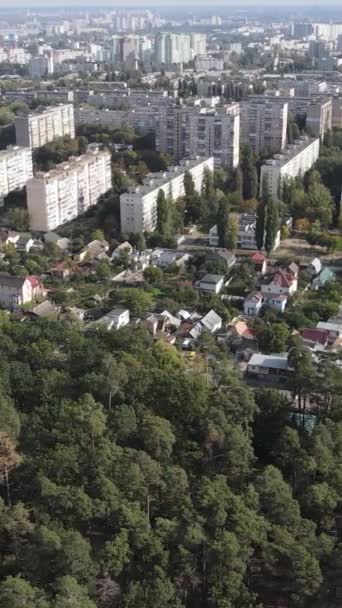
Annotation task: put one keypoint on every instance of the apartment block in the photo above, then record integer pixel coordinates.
(319, 118)
(264, 124)
(39, 128)
(188, 132)
(139, 205)
(62, 194)
(142, 121)
(294, 162)
(15, 168)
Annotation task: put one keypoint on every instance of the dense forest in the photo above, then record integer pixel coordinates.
(130, 480)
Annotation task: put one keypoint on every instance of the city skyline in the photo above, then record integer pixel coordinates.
(5, 5)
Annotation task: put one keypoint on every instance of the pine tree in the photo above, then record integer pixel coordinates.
(249, 173)
(260, 225)
(163, 214)
(271, 226)
(189, 185)
(222, 222)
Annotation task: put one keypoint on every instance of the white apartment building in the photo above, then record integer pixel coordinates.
(294, 161)
(178, 48)
(216, 133)
(39, 128)
(142, 121)
(138, 206)
(204, 63)
(62, 194)
(15, 168)
(319, 117)
(189, 131)
(264, 124)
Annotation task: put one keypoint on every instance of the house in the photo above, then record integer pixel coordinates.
(15, 291)
(115, 319)
(275, 366)
(162, 323)
(334, 330)
(77, 313)
(9, 237)
(221, 255)
(315, 339)
(276, 302)
(44, 310)
(168, 258)
(212, 322)
(55, 239)
(211, 283)
(324, 276)
(315, 267)
(60, 271)
(121, 251)
(252, 304)
(259, 261)
(213, 237)
(25, 243)
(281, 282)
(247, 232)
(92, 250)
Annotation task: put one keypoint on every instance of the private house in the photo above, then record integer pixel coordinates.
(281, 282)
(211, 322)
(61, 270)
(91, 251)
(322, 278)
(334, 330)
(115, 319)
(260, 262)
(276, 302)
(271, 366)
(55, 239)
(221, 255)
(121, 251)
(213, 237)
(16, 291)
(211, 283)
(25, 243)
(315, 339)
(253, 304)
(9, 237)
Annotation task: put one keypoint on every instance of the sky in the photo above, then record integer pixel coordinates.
(4, 4)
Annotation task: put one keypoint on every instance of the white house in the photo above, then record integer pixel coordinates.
(211, 283)
(282, 282)
(213, 237)
(252, 304)
(275, 302)
(15, 291)
(115, 319)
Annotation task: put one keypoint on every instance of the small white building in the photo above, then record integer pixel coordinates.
(211, 283)
(115, 319)
(253, 304)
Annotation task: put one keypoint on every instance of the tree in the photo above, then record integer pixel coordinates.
(222, 222)
(153, 275)
(274, 337)
(249, 173)
(136, 300)
(97, 235)
(233, 233)
(19, 219)
(260, 225)
(208, 190)
(189, 186)
(271, 226)
(16, 592)
(157, 436)
(69, 594)
(163, 214)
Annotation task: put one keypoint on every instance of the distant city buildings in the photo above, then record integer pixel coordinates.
(63, 193)
(37, 129)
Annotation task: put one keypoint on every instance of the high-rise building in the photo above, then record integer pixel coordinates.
(198, 43)
(173, 48)
(319, 117)
(138, 206)
(294, 162)
(264, 124)
(15, 168)
(39, 128)
(41, 66)
(62, 194)
(216, 133)
(187, 131)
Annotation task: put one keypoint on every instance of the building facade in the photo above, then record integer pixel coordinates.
(15, 168)
(37, 129)
(139, 205)
(62, 194)
(294, 162)
(188, 132)
(264, 124)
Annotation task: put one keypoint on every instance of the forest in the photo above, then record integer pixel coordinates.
(128, 480)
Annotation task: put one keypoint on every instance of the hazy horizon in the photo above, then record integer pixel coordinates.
(315, 4)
